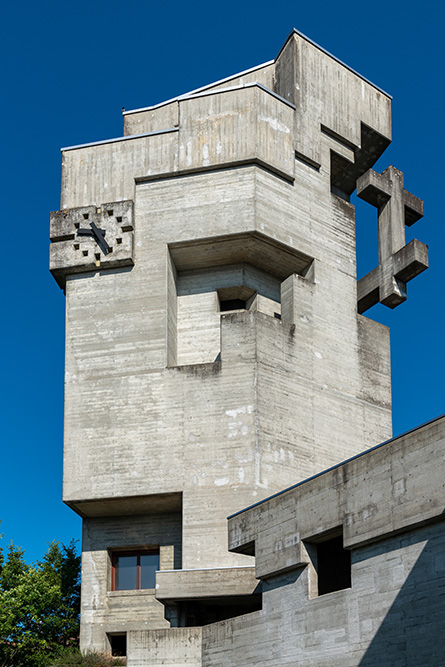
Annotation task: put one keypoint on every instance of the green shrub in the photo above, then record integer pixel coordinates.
(74, 658)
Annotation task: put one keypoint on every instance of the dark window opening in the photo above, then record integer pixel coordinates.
(232, 304)
(202, 612)
(118, 645)
(238, 297)
(134, 570)
(333, 566)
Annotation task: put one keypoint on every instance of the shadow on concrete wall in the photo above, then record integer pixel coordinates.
(285, 579)
(412, 633)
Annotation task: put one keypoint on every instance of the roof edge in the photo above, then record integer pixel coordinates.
(201, 89)
(115, 140)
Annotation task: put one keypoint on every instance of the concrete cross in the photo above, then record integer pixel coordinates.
(398, 263)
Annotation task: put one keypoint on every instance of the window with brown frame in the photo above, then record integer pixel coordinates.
(134, 570)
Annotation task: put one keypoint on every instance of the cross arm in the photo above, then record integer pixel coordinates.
(387, 284)
(374, 188)
(413, 208)
(368, 290)
(377, 189)
(410, 260)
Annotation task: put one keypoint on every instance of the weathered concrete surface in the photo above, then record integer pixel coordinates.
(176, 647)
(178, 411)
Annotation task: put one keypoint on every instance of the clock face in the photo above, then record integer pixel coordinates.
(88, 238)
(98, 235)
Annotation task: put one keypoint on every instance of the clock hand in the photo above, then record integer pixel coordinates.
(99, 236)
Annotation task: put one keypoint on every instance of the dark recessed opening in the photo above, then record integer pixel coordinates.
(232, 304)
(333, 566)
(118, 645)
(203, 612)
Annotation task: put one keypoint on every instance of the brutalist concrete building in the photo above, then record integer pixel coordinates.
(219, 364)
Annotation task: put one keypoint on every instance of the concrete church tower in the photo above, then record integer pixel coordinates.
(216, 350)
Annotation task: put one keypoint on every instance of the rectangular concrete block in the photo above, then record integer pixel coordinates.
(177, 647)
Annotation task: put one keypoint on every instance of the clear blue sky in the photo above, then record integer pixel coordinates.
(68, 68)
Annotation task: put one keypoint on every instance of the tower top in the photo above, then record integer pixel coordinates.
(251, 70)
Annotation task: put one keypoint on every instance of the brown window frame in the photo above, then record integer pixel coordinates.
(134, 552)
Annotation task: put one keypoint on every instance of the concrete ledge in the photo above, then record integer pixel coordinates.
(207, 583)
(233, 164)
(145, 592)
(253, 248)
(126, 505)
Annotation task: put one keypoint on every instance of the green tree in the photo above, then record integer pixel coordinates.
(39, 605)
(13, 568)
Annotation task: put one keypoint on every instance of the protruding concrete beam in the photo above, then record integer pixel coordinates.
(209, 583)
